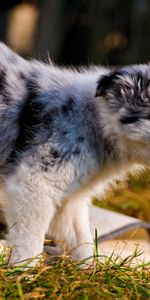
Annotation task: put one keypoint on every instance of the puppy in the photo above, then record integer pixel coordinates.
(60, 131)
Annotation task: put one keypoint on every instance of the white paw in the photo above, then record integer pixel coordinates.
(82, 252)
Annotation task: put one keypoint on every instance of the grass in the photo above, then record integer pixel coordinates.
(64, 279)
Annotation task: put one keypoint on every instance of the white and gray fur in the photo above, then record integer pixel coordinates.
(60, 131)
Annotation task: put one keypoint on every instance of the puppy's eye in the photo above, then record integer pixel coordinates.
(129, 119)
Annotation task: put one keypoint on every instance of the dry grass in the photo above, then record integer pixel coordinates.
(64, 279)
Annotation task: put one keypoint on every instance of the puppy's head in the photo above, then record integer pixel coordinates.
(125, 94)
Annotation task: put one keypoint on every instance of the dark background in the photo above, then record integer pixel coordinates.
(75, 32)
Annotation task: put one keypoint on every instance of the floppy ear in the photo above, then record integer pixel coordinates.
(116, 88)
(105, 84)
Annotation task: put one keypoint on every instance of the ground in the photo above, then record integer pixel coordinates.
(64, 279)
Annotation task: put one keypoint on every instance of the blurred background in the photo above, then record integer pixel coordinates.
(77, 32)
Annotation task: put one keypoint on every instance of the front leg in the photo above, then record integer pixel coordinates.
(28, 212)
(71, 226)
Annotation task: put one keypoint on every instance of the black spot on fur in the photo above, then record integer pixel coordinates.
(28, 122)
(65, 110)
(6, 97)
(2, 80)
(32, 89)
(76, 151)
(54, 153)
(68, 107)
(64, 132)
(80, 139)
(45, 165)
(71, 103)
(48, 117)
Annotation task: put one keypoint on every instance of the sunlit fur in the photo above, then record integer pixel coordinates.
(61, 131)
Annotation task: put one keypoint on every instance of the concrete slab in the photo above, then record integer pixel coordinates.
(120, 235)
